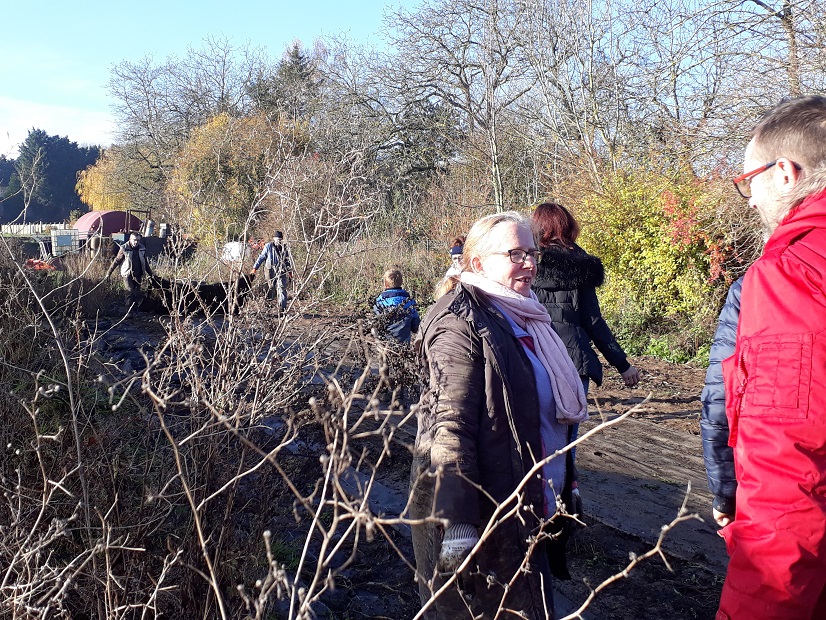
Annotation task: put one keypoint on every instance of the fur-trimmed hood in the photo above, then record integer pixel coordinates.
(567, 269)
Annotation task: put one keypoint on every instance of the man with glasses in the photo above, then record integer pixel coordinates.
(776, 379)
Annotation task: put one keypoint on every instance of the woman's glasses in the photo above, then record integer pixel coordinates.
(518, 256)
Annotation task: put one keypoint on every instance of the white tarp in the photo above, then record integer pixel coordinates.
(235, 252)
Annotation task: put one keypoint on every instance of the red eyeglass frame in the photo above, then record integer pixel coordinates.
(746, 176)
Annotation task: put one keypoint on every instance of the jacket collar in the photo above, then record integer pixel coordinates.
(565, 268)
(469, 302)
(808, 215)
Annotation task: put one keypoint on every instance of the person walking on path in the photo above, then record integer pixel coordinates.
(775, 382)
(133, 264)
(499, 393)
(276, 258)
(566, 283)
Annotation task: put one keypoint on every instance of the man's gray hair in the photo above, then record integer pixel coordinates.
(796, 129)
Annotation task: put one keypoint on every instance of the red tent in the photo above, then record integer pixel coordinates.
(107, 222)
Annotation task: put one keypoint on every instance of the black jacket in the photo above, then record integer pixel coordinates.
(566, 283)
(718, 456)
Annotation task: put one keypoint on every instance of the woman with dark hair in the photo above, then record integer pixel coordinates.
(566, 283)
(500, 394)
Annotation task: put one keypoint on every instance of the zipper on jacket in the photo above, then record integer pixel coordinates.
(740, 391)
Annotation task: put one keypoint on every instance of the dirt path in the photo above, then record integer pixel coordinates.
(633, 479)
(639, 495)
(635, 475)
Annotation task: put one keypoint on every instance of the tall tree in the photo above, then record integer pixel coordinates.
(6, 170)
(121, 180)
(228, 169)
(293, 89)
(159, 105)
(42, 186)
(465, 55)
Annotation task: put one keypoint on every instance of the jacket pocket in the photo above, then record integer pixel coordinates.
(779, 370)
(734, 384)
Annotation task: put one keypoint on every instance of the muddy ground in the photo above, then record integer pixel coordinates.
(634, 477)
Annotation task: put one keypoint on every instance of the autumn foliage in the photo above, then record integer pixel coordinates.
(667, 251)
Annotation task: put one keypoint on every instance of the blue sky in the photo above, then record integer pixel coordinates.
(55, 55)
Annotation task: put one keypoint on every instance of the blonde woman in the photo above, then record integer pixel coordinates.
(500, 392)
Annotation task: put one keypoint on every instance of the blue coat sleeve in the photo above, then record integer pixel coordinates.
(261, 257)
(717, 454)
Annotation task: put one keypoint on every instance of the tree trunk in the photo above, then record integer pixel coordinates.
(793, 64)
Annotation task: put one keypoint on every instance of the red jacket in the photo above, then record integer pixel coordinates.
(776, 406)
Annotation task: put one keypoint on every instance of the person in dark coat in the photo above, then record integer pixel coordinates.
(717, 454)
(499, 394)
(133, 264)
(566, 283)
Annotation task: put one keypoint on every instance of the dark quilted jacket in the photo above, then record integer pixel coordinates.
(566, 283)
(718, 456)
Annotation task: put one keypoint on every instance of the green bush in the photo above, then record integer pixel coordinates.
(657, 238)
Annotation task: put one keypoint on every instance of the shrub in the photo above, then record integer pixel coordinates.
(666, 253)
(358, 268)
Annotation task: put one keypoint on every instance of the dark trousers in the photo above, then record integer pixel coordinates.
(134, 296)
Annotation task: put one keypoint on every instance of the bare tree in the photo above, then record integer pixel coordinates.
(466, 56)
(159, 105)
(772, 50)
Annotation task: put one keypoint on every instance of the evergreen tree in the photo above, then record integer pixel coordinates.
(294, 88)
(42, 181)
(6, 170)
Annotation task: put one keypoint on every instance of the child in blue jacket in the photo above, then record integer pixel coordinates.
(397, 307)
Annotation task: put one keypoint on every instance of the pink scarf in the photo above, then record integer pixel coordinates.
(530, 315)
